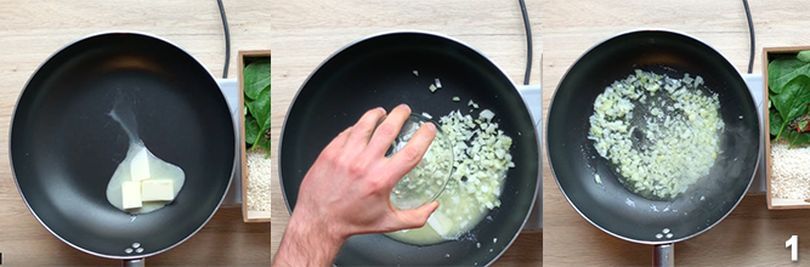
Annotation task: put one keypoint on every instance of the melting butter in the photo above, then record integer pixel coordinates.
(140, 165)
(457, 214)
(420, 236)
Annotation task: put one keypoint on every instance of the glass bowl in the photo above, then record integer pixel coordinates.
(425, 182)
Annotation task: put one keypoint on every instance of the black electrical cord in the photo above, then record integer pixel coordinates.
(227, 39)
(750, 36)
(527, 26)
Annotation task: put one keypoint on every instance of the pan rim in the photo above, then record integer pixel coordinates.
(500, 72)
(726, 62)
(11, 130)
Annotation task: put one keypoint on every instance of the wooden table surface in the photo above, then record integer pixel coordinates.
(32, 30)
(752, 235)
(305, 32)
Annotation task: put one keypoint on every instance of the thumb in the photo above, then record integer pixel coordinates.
(415, 218)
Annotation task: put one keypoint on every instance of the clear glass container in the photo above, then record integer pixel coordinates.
(425, 182)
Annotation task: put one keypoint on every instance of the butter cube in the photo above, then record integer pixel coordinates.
(157, 190)
(438, 222)
(139, 167)
(131, 195)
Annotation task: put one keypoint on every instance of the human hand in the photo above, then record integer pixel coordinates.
(346, 191)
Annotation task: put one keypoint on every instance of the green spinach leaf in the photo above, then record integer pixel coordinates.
(793, 98)
(789, 98)
(804, 56)
(782, 71)
(259, 108)
(251, 130)
(796, 139)
(775, 122)
(801, 139)
(792, 102)
(257, 78)
(257, 104)
(263, 140)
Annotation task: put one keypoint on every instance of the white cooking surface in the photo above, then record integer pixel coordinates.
(755, 85)
(533, 97)
(230, 89)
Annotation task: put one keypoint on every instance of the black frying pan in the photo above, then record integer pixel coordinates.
(64, 146)
(611, 207)
(377, 71)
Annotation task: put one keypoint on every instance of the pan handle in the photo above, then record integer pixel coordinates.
(134, 263)
(664, 255)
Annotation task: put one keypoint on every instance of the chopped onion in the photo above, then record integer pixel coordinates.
(480, 165)
(486, 114)
(662, 153)
(472, 104)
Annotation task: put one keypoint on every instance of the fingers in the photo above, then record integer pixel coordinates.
(332, 149)
(385, 134)
(361, 131)
(403, 161)
(414, 218)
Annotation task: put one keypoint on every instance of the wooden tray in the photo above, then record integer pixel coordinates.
(248, 216)
(768, 53)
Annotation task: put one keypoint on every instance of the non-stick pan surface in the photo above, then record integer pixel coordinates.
(378, 72)
(64, 146)
(610, 206)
